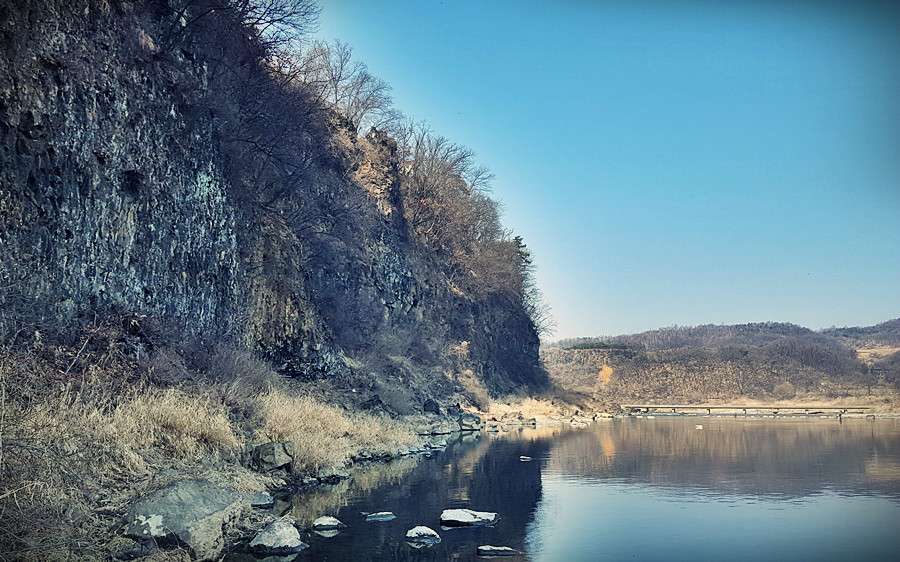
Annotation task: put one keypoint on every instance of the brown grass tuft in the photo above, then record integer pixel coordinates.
(86, 430)
(325, 435)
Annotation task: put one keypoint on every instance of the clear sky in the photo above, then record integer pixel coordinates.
(669, 162)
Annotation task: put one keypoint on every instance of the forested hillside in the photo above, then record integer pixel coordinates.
(765, 361)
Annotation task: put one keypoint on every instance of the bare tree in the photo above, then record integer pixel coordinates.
(275, 23)
(346, 85)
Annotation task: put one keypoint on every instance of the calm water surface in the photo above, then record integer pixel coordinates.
(635, 489)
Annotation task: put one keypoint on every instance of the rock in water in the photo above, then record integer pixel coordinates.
(327, 523)
(421, 536)
(488, 550)
(192, 512)
(469, 422)
(467, 518)
(279, 537)
(381, 516)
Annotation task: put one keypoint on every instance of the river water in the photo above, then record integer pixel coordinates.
(634, 489)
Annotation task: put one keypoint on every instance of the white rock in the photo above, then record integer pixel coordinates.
(381, 516)
(279, 537)
(488, 550)
(467, 518)
(327, 523)
(422, 536)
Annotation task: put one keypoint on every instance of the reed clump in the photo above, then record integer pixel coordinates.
(325, 435)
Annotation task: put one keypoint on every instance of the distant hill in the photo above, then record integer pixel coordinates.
(717, 336)
(762, 361)
(886, 333)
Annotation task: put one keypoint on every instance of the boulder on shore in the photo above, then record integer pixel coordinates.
(190, 512)
(469, 422)
(272, 456)
(467, 518)
(432, 407)
(422, 536)
(278, 537)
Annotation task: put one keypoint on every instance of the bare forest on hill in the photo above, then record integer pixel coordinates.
(763, 362)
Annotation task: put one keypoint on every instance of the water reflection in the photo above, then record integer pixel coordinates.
(633, 488)
(737, 489)
(753, 456)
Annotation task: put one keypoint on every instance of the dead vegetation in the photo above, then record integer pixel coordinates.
(86, 431)
(325, 435)
(765, 363)
(557, 404)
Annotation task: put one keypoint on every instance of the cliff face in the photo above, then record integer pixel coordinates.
(182, 183)
(110, 197)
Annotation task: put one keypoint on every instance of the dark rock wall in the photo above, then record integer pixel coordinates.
(110, 197)
(119, 195)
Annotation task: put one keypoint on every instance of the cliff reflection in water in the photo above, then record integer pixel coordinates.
(481, 472)
(744, 456)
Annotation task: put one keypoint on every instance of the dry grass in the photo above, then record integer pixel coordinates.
(473, 389)
(325, 435)
(871, 354)
(82, 438)
(126, 432)
(74, 454)
(542, 409)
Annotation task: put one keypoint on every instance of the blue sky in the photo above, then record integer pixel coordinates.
(669, 162)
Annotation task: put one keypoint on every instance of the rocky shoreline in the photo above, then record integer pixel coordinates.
(222, 503)
(207, 519)
(434, 429)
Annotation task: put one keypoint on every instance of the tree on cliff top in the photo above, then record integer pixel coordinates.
(276, 23)
(345, 84)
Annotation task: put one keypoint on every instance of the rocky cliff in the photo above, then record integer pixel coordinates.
(157, 170)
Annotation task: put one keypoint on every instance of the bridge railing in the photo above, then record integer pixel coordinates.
(768, 408)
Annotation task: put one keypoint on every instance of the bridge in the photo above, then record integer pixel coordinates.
(809, 410)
